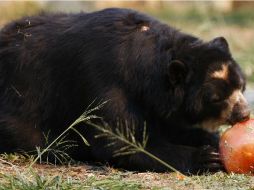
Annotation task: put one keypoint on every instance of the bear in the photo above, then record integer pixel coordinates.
(152, 75)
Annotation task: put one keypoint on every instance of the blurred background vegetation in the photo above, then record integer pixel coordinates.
(208, 19)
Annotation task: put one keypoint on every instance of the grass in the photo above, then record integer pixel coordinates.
(37, 181)
(17, 176)
(14, 174)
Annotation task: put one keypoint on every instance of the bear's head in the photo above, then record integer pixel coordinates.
(213, 84)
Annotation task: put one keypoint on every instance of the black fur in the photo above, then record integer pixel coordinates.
(52, 66)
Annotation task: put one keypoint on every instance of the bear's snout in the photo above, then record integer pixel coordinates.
(240, 112)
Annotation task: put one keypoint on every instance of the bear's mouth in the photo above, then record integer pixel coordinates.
(237, 109)
(212, 125)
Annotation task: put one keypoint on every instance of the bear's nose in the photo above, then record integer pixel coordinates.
(240, 114)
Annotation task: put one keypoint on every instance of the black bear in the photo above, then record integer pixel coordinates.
(52, 66)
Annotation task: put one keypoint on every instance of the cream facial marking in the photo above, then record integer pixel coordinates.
(221, 74)
(236, 97)
(144, 28)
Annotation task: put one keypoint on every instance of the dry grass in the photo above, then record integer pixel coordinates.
(15, 174)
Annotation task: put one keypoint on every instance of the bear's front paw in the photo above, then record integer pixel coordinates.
(207, 159)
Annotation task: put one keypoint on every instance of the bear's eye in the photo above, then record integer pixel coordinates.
(215, 98)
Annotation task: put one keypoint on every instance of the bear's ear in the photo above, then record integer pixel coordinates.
(177, 72)
(220, 42)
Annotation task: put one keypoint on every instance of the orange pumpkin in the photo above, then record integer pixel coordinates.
(237, 148)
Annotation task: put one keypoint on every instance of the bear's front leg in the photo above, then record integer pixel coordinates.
(186, 159)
